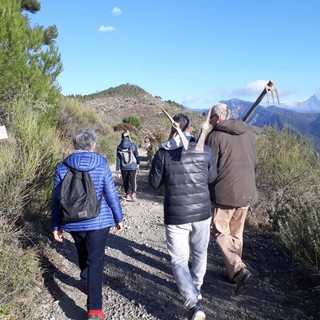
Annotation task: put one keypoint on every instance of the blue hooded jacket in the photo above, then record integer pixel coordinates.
(124, 144)
(110, 209)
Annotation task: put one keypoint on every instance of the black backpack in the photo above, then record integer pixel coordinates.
(127, 156)
(78, 197)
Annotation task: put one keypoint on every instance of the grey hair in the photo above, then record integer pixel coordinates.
(84, 139)
(222, 111)
(183, 120)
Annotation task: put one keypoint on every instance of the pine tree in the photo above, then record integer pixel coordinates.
(29, 60)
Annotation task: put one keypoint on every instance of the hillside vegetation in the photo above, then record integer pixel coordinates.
(40, 123)
(115, 104)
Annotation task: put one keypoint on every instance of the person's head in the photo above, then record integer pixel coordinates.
(219, 112)
(183, 120)
(85, 139)
(125, 135)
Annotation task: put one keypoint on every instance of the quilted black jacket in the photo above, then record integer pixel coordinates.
(185, 175)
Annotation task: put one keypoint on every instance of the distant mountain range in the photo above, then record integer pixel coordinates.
(302, 117)
(312, 105)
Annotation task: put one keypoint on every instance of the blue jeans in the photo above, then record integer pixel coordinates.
(90, 247)
(186, 241)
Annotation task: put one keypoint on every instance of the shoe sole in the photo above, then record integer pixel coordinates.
(95, 317)
(199, 316)
(226, 277)
(242, 285)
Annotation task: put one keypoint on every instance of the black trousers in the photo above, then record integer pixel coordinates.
(129, 178)
(90, 247)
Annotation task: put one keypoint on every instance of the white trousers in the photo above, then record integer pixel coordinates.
(184, 242)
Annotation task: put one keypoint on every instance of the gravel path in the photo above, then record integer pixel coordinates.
(138, 282)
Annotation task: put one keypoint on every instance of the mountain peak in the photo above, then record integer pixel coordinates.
(311, 105)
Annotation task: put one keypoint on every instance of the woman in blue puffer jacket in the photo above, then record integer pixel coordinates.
(89, 235)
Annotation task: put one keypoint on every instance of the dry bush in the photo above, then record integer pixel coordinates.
(288, 179)
(19, 271)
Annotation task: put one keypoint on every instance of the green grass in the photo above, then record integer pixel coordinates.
(20, 271)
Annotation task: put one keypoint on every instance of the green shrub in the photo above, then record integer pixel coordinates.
(75, 116)
(107, 145)
(28, 157)
(134, 121)
(121, 127)
(288, 179)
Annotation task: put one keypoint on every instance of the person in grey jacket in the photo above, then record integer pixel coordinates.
(234, 190)
(89, 235)
(128, 170)
(185, 175)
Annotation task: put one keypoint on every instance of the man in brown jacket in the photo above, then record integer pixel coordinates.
(234, 190)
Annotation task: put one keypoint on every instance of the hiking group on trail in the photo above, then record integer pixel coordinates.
(206, 188)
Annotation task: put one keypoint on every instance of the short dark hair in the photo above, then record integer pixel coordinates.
(183, 120)
(125, 134)
(84, 139)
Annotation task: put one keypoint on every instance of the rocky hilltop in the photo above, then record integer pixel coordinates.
(114, 104)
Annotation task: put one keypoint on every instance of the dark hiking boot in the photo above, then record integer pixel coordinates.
(226, 276)
(241, 279)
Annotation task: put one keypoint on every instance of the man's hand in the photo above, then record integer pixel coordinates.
(119, 227)
(57, 234)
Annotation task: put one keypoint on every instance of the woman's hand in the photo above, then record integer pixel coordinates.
(119, 227)
(57, 234)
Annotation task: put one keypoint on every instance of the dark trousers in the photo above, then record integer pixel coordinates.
(129, 181)
(90, 247)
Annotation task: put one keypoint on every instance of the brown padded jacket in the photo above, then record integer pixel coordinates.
(234, 146)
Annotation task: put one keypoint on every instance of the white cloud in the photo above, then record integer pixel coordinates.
(116, 11)
(251, 92)
(106, 28)
(256, 86)
(190, 99)
(251, 89)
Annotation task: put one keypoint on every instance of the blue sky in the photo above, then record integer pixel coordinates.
(195, 52)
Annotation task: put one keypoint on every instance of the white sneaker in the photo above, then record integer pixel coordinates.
(197, 313)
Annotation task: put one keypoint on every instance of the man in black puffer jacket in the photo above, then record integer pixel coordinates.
(234, 190)
(185, 175)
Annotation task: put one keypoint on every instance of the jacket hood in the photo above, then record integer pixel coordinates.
(84, 160)
(175, 142)
(125, 143)
(232, 126)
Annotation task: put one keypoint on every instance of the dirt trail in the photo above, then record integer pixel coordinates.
(139, 284)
